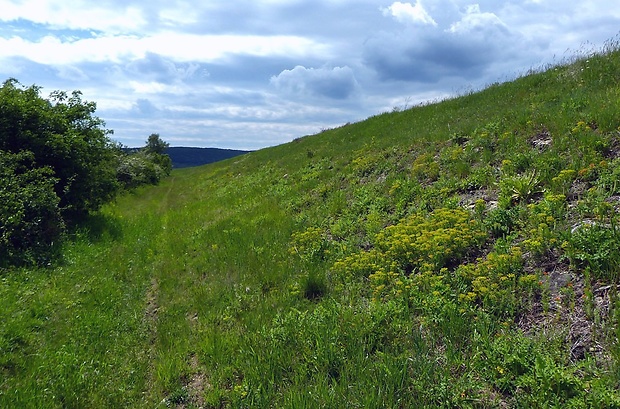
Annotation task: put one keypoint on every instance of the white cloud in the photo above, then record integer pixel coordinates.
(189, 47)
(182, 47)
(52, 50)
(75, 14)
(180, 14)
(406, 13)
(69, 72)
(474, 20)
(152, 87)
(336, 83)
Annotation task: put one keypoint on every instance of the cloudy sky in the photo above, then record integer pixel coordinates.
(249, 74)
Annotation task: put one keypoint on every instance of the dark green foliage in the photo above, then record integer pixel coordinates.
(155, 144)
(155, 149)
(58, 164)
(30, 220)
(63, 134)
(162, 161)
(501, 222)
(315, 286)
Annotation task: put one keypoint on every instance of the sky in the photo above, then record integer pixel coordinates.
(243, 74)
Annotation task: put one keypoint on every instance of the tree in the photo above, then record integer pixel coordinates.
(65, 137)
(155, 144)
(155, 149)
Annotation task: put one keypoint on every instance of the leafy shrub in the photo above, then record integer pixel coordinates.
(30, 220)
(140, 169)
(609, 179)
(563, 181)
(63, 135)
(58, 165)
(425, 168)
(479, 177)
(309, 245)
(494, 281)
(591, 143)
(441, 238)
(542, 221)
(550, 382)
(163, 161)
(365, 165)
(155, 149)
(453, 160)
(483, 142)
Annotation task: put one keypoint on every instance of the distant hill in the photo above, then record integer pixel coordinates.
(184, 157)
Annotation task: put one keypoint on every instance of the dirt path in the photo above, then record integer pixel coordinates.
(150, 318)
(150, 313)
(197, 382)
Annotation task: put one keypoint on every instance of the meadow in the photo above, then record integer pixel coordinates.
(463, 253)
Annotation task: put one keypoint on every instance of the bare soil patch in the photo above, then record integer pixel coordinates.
(572, 308)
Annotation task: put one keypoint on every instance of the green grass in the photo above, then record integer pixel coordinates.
(457, 254)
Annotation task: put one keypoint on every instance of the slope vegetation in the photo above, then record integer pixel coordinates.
(458, 254)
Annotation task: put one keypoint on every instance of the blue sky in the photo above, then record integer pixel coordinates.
(249, 74)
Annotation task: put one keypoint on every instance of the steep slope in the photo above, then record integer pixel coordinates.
(458, 254)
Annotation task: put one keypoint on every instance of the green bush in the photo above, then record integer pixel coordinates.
(144, 166)
(64, 136)
(502, 222)
(58, 165)
(441, 238)
(139, 169)
(30, 221)
(518, 189)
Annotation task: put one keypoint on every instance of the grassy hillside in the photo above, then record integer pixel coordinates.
(459, 254)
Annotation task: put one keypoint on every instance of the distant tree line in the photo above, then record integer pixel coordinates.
(58, 164)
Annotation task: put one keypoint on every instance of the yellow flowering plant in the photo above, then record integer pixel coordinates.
(416, 244)
(309, 244)
(425, 168)
(542, 222)
(493, 282)
(443, 237)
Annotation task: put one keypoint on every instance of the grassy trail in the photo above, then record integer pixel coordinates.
(84, 334)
